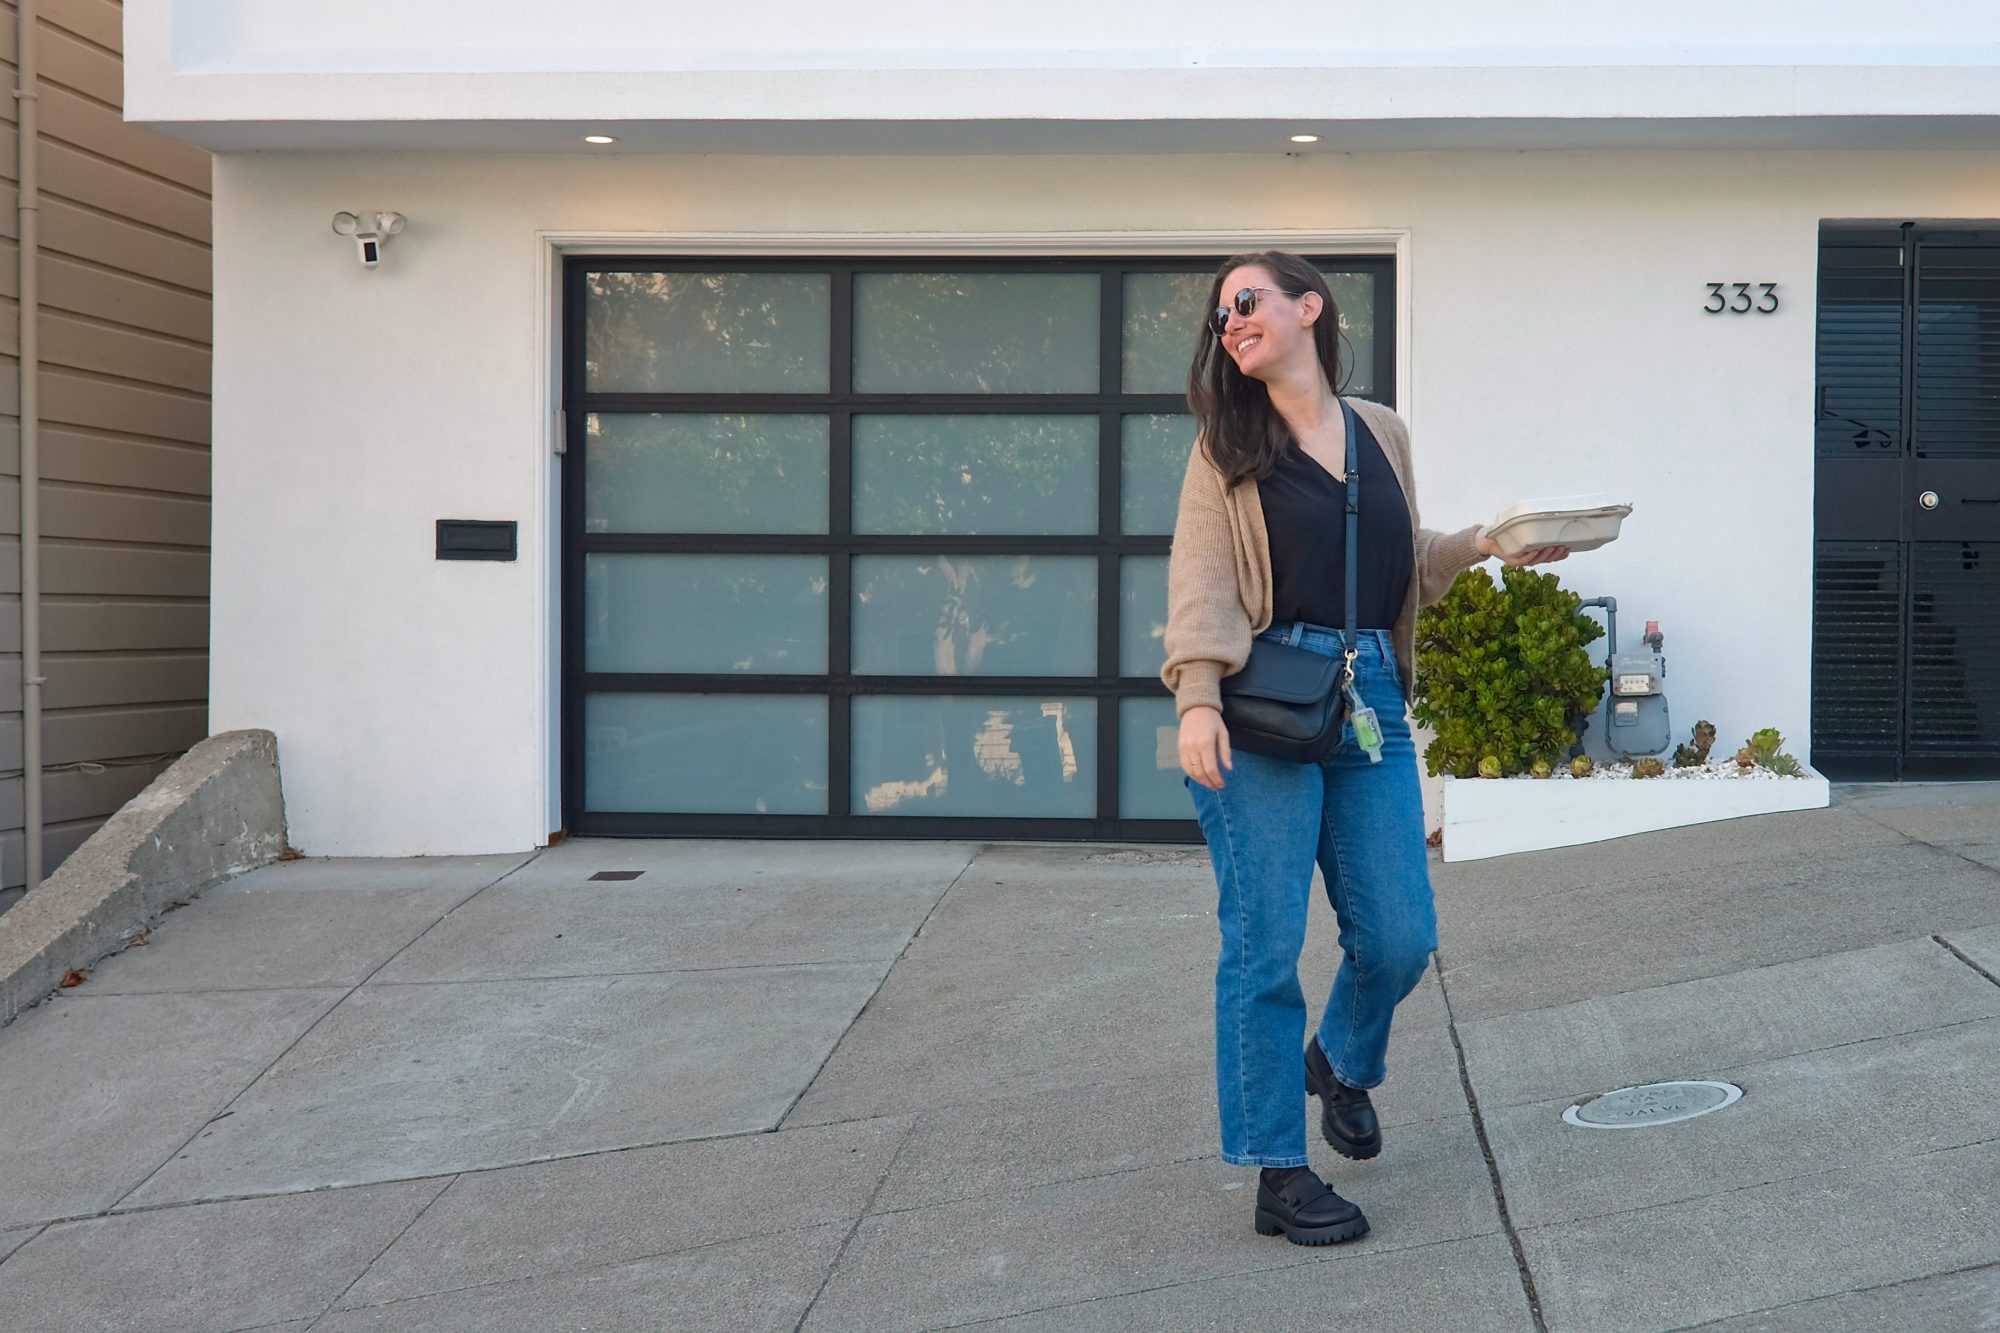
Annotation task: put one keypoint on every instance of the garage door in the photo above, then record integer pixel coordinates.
(879, 548)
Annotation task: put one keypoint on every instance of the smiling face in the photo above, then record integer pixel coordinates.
(1277, 337)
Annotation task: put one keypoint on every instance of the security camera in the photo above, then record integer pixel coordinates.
(368, 231)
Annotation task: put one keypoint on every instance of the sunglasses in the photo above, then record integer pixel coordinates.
(1244, 303)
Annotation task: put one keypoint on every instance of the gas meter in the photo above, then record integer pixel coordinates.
(1635, 706)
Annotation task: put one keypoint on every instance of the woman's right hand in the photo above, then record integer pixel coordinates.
(1204, 746)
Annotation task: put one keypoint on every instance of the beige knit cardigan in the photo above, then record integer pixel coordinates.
(1219, 575)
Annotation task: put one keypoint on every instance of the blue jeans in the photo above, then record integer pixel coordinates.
(1363, 824)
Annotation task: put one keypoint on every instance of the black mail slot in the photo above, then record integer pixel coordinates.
(476, 539)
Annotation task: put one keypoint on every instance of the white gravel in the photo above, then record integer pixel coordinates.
(1715, 770)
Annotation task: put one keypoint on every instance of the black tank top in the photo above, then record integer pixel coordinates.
(1305, 516)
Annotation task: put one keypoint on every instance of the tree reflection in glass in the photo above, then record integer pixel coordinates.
(707, 332)
(700, 472)
(975, 755)
(975, 474)
(975, 332)
(969, 615)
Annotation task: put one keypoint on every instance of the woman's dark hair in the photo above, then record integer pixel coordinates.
(1233, 415)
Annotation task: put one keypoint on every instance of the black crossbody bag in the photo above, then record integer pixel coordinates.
(1289, 702)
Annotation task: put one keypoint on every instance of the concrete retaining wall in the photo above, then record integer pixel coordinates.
(217, 812)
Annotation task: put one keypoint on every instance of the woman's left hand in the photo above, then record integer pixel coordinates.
(1540, 556)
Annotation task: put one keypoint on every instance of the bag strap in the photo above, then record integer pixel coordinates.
(1349, 633)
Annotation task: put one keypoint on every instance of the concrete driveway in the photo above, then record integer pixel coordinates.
(882, 1086)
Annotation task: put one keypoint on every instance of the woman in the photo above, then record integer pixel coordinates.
(1259, 547)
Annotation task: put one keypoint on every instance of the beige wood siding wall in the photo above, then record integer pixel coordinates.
(125, 470)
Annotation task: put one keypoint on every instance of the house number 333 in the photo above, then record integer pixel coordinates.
(1735, 298)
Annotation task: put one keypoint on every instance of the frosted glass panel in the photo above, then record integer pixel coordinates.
(1163, 323)
(709, 613)
(705, 754)
(1149, 761)
(707, 332)
(651, 473)
(1142, 633)
(982, 615)
(989, 756)
(1355, 299)
(975, 332)
(1354, 295)
(1155, 460)
(975, 474)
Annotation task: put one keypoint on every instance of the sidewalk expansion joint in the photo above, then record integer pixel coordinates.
(1729, 971)
(1028, 1191)
(868, 1207)
(36, 1227)
(1967, 959)
(1306, 1259)
(1759, 1062)
(887, 972)
(601, 1266)
(1492, 1163)
(313, 1027)
(1979, 1267)
(448, 1173)
(1661, 1205)
(637, 972)
(1912, 839)
(394, 1240)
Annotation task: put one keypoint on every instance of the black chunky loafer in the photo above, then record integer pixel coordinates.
(1306, 1212)
(1347, 1117)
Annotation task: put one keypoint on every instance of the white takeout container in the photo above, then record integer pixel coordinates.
(1580, 522)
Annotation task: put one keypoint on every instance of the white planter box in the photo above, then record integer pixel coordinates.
(1493, 817)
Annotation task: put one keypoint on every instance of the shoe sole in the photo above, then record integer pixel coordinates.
(1348, 1148)
(1270, 1224)
(1358, 1151)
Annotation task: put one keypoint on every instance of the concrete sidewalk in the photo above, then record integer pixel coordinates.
(918, 1085)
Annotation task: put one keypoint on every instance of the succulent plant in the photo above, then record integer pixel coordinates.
(1581, 766)
(1648, 767)
(1765, 749)
(1489, 767)
(1765, 744)
(1542, 768)
(1696, 754)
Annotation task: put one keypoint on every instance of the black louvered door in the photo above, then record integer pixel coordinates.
(1906, 588)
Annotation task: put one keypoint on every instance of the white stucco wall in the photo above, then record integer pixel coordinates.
(1557, 345)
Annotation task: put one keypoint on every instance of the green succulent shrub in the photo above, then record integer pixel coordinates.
(1501, 668)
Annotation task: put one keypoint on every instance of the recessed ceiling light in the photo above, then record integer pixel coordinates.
(1305, 138)
(598, 138)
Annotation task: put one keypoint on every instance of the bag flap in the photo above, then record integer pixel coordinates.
(1284, 674)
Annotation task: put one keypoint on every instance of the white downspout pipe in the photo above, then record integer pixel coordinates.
(27, 97)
